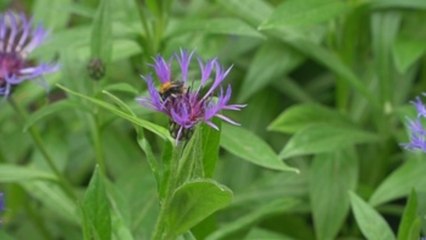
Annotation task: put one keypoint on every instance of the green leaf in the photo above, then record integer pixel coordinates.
(297, 13)
(101, 39)
(194, 201)
(400, 182)
(230, 26)
(11, 173)
(96, 210)
(414, 4)
(407, 228)
(272, 60)
(49, 110)
(160, 131)
(250, 147)
(52, 13)
(210, 145)
(406, 52)
(121, 87)
(276, 207)
(339, 172)
(297, 117)
(253, 11)
(259, 233)
(330, 60)
(53, 198)
(322, 137)
(384, 28)
(373, 226)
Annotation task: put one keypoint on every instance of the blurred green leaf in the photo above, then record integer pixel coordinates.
(50, 109)
(160, 131)
(210, 145)
(269, 209)
(373, 226)
(52, 13)
(101, 38)
(96, 210)
(299, 13)
(229, 26)
(414, 4)
(53, 198)
(248, 146)
(323, 137)
(400, 182)
(194, 201)
(297, 117)
(121, 87)
(13, 173)
(384, 28)
(253, 11)
(272, 60)
(409, 227)
(339, 172)
(259, 233)
(406, 52)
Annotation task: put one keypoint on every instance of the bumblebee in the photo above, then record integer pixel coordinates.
(172, 89)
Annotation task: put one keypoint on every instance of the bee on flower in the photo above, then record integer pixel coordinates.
(185, 104)
(18, 38)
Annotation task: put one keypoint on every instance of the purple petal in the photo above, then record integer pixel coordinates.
(220, 76)
(162, 69)
(184, 59)
(420, 107)
(206, 70)
(156, 100)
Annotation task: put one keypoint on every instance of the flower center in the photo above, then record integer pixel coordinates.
(10, 64)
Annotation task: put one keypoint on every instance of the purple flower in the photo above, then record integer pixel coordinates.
(187, 103)
(18, 38)
(416, 130)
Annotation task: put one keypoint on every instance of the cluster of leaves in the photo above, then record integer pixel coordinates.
(327, 84)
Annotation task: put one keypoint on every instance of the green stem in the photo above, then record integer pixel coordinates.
(158, 233)
(97, 142)
(35, 135)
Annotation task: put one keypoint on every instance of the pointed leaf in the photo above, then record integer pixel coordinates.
(250, 147)
(160, 131)
(96, 209)
(194, 201)
(297, 117)
(373, 226)
(101, 39)
(407, 227)
(401, 182)
(339, 172)
(272, 60)
(321, 138)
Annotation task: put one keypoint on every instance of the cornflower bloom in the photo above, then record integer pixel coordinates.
(18, 38)
(416, 130)
(185, 104)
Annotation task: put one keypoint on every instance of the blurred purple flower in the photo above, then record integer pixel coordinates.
(18, 38)
(184, 103)
(416, 130)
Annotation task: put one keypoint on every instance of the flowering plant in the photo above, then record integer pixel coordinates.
(186, 106)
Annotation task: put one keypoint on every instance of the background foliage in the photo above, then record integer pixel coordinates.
(327, 83)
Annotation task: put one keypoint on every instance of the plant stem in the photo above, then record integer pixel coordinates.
(97, 142)
(35, 135)
(158, 233)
